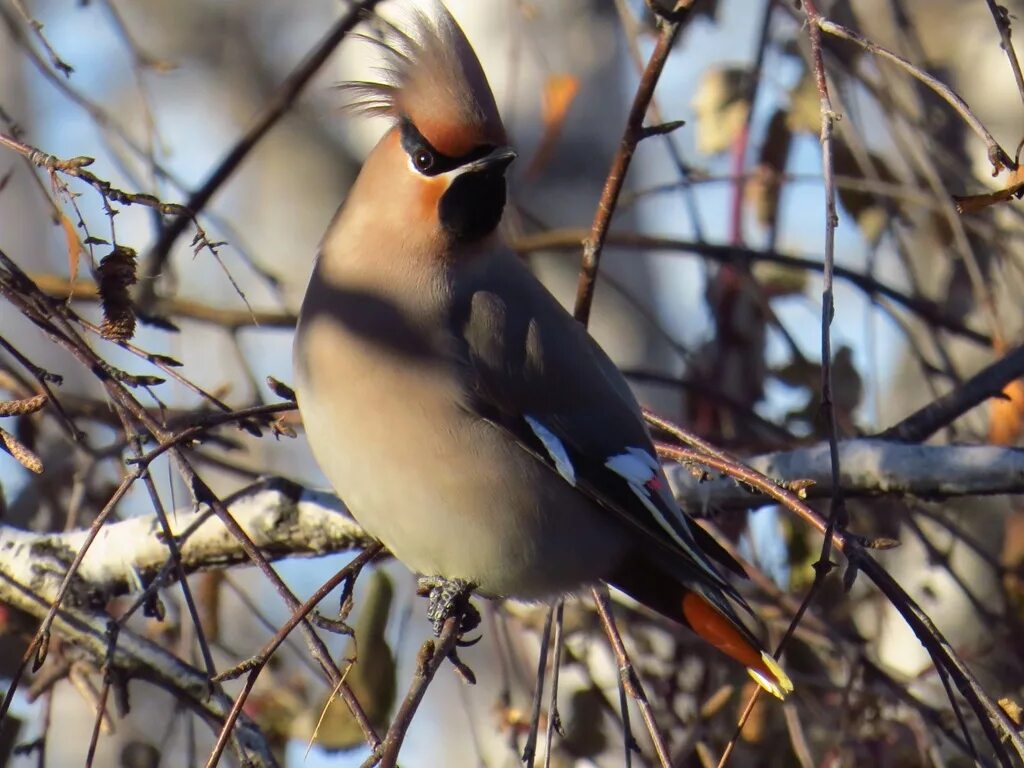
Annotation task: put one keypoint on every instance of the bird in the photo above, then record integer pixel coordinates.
(466, 419)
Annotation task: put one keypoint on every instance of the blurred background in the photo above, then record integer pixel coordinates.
(713, 330)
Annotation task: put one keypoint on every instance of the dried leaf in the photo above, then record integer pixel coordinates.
(208, 599)
(74, 246)
(721, 104)
(372, 676)
(765, 187)
(973, 203)
(559, 93)
(585, 726)
(705, 755)
(170, 362)
(1013, 710)
(1006, 415)
(883, 542)
(21, 454)
(1012, 554)
(804, 114)
(847, 385)
(716, 701)
(756, 728)
(777, 281)
(864, 206)
(280, 428)
(116, 276)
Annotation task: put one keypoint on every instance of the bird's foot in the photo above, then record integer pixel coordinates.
(449, 598)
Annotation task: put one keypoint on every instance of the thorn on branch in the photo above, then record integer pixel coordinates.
(41, 651)
(281, 389)
(423, 657)
(661, 129)
(461, 669)
(673, 11)
(337, 626)
(253, 662)
(882, 543)
(156, 321)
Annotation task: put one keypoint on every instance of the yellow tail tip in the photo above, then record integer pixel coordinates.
(777, 687)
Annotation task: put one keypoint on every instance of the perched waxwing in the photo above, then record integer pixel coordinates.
(465, 418)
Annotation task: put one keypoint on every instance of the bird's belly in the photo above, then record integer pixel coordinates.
(450, 494)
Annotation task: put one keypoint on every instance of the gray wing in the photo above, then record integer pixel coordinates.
(539, 375)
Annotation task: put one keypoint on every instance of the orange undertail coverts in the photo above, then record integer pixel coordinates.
(710, 624)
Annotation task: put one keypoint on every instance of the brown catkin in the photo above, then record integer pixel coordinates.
(22, 407)
(116, 276)
(23, 455)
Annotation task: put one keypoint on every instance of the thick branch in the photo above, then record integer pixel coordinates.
(568, 241)
(286, 521)
(282, 519)
(988, 382)
(30, 577)
(869, 468)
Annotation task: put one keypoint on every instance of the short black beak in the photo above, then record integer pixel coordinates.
(494, 162)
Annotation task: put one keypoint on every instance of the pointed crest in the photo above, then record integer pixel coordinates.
(431, 76)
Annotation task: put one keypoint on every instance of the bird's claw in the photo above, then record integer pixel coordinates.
(448, 598)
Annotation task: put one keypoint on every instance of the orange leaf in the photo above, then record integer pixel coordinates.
(559, 93)
(975, 203)
(1006, 415)
(74, 246)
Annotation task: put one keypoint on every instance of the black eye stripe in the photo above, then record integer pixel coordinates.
(414, 144)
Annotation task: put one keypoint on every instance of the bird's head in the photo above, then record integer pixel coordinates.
(441, 165)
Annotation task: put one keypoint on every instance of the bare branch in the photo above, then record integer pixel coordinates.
(568, 241)
(620, 165)
(31, 574)
(868, 468)
(276, 107)
(988, 382)
(282, 519)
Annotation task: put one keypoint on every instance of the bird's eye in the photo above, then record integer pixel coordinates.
(423, 159)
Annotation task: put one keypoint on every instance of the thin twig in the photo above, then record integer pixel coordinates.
(568, 240)
(276, 107)
(628, 675)
(1001, 16)
(255, 664)
(996, 154)
(620, 165)
(37, 307)
(431, 656)
(37, 29)
(556, 662)
(530, 749)
(837, 513)
(61, 288)
(989, 714)
(989, 382)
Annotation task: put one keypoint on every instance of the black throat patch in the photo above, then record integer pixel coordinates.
(471, 207)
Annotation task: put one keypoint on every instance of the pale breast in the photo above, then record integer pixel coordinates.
(447, 492)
